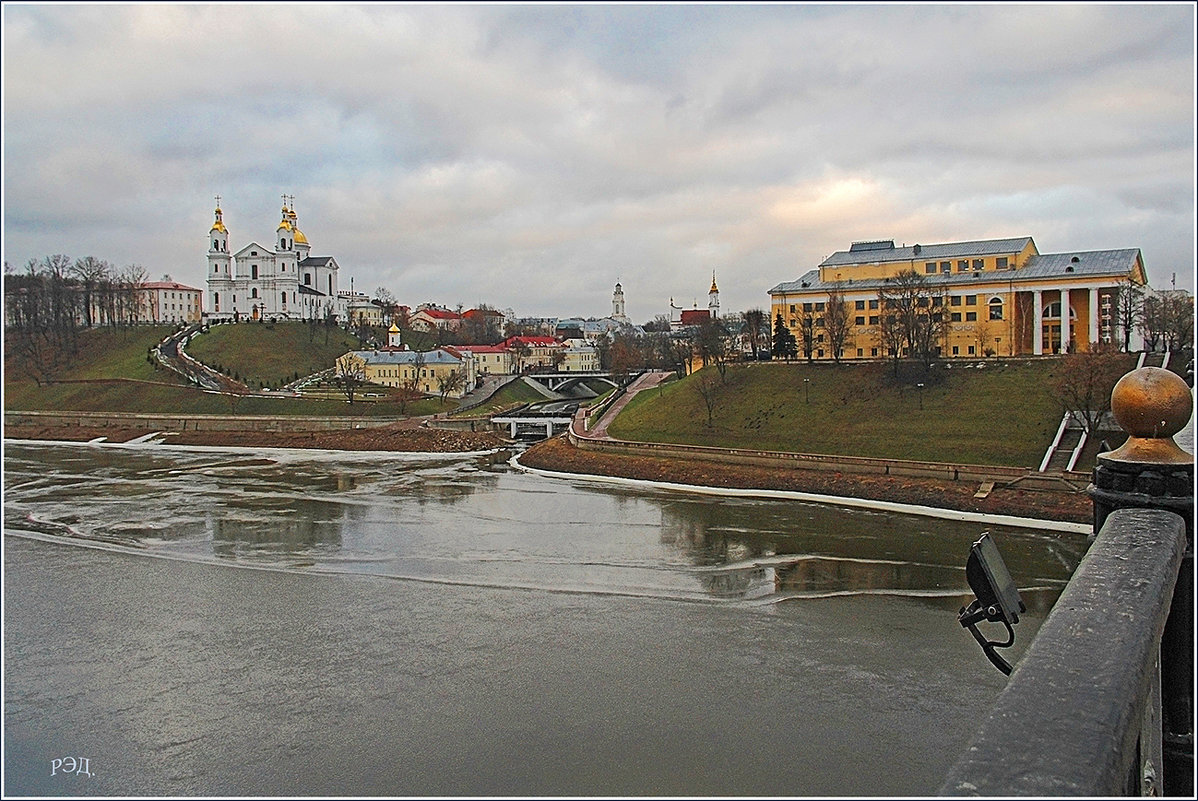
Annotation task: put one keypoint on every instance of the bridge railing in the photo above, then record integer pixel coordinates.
(1081, 714)
(1102, 702)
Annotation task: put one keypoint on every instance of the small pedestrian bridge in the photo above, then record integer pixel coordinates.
(564, 382)
(539, 421)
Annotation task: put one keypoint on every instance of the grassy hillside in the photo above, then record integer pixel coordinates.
(111, 373)
(271, 354)
(995, 413)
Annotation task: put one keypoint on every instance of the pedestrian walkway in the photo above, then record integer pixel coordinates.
(645, 381)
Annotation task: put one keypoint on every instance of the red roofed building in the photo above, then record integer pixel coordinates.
(429, 318)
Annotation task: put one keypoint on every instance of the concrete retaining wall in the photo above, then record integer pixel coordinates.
(191, 422)
(1022, 477)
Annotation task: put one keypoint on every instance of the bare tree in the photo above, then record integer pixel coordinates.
(806, 337)
(707, 387)
(449, 382)
(756, 328)
(350, 374)
(1128, 312)
(838, 322)
(91, 274)
(914, 315)
(1083, 382)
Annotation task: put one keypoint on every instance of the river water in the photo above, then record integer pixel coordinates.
(199, 622)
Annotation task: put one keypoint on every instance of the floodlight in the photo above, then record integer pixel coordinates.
(997, 600)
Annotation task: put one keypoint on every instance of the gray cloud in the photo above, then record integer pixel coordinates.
(530, 156)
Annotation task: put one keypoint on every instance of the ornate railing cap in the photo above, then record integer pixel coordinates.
(1152, 405)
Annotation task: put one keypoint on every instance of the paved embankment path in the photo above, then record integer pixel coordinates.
(646, 381)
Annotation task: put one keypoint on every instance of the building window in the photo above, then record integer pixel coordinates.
(307, 279)
(972, 350)
(819, 354)
(860, 352)
(995, 308)
(859, 305)
(254, 292)
(819, 307)
(929, 267)
(945, 266)
(971, 300)
(956, 318)
(792, 308)
(955, 300)
(971, 317)
(962, 265)
(806, 307)
(1000, 263)
(978, 263)
(859, 320)
(873, 319)
(873, 304)
(253, 253)
(956, 351)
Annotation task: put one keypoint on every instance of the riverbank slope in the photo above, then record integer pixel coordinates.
(559, 455)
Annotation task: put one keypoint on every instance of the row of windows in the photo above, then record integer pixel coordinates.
(253, 295)
(861, 305)
(965, 265)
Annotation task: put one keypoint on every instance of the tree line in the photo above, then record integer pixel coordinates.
(52, 298)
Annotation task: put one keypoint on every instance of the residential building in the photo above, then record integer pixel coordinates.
(170, 302)
(425, 372)
(283, 281)
(428, 317)
(1003, 296)
(491, 359)
(579, 356)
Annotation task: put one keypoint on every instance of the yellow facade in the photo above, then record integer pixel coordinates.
(994, 291)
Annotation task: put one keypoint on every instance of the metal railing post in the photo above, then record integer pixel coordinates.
(1149, 471)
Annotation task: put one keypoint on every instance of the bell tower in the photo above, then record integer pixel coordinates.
(617, 304)
(713, 298)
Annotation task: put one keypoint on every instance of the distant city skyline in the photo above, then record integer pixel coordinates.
(529, 157)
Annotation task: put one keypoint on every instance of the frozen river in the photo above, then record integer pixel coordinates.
(278, 623)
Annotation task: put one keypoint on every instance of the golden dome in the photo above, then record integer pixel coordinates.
(300, 239)
(394, 329)
(714, 288)
(219, 226)
(284, 226)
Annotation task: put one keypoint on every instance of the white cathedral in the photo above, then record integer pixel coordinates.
(276, 283)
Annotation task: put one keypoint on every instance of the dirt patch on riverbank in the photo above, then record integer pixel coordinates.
(559, 455)
(398, 437)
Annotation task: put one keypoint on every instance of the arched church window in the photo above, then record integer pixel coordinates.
(307, 279)
(995, 308)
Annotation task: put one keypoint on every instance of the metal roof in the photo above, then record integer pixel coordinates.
(876, 253)
(406, 357)
(1044, 267)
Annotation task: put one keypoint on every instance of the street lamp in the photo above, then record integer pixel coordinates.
(806, 394)
(920, 386)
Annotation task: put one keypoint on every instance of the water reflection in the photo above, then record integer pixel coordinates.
(474, 521)
(806, 550)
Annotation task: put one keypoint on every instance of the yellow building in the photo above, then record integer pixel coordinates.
(1003, 296)
(427, 372)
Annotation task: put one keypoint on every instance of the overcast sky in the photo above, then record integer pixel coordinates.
(529, 157)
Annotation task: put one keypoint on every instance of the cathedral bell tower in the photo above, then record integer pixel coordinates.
(220, 262)
(713, 298)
